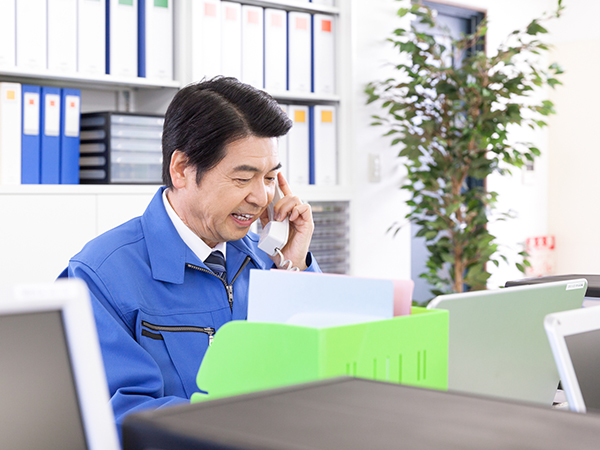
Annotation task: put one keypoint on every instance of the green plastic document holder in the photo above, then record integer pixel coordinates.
(249, 356)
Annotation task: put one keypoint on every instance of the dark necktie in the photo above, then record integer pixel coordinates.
(216, 263)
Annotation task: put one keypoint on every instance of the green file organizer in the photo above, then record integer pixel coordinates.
(249, 356)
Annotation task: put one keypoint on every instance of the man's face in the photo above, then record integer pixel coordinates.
(232, 195)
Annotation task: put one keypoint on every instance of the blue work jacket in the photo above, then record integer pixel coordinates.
(157, 306)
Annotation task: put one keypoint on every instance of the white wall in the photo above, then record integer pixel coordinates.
(574, 148)
(378, 205)
(375, 252)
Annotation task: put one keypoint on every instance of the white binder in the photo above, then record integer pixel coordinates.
(10, 133)
(324, 54)
(91, 29)
(31, 35)
(206, 39)
(123, 38)
(231, 43)
(8, 21)
(275, 50)
(299, 52)
(298, 146)
(252, 45)
(283, 148)
(324, 2)
(62, 35)
(157, 58)
(325, 145)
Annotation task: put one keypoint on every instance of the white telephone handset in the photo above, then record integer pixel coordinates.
(274, 235)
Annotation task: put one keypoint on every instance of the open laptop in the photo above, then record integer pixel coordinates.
(497, 343)
(54, 391)
(574, 337)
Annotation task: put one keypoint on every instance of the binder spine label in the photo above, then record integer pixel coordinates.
(52, 116)
(31, 114)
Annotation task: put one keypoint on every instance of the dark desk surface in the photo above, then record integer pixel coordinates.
(350, 413)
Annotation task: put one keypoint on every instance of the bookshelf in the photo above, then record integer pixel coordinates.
(50, 223)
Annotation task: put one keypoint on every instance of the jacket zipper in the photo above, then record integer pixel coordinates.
(182, 328)
(228, 287)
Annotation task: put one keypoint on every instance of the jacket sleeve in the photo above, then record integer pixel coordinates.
(311, 264)
(134, 379)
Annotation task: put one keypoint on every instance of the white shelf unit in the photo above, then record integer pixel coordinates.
(42, 226)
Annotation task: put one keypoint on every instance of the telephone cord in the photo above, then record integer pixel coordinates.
(285, 262)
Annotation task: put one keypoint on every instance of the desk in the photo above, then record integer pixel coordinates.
(350, 413)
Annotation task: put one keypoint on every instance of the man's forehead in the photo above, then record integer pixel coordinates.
(251, 168)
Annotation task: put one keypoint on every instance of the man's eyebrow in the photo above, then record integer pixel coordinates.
(247, 168)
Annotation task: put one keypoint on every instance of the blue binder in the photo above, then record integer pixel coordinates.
(30, 135)
(311, 145)
(50, 135)
(70, 113)
(142, 38)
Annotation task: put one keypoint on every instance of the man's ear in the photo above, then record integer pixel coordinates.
(179, 176)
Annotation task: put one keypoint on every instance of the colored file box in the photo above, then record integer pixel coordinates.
(30, 140)
(248, 356)
(120, 148)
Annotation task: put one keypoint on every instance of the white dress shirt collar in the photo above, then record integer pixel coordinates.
(191, 239)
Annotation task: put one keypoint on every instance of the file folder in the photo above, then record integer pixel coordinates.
(62, 35)
(155, 39)
(91, 32)
(251, 356)
(10, 133)
(30, 142)
(275, 50)
(122, 38)
(31, 35)
(299, 52)
(253, 45)
(50, 139)
(70, 113)
(324, 145)
(8, 21)
(298, 145)
(231, 39)
(206, 39)
(323, 53)
(283, 148)
(324, 2)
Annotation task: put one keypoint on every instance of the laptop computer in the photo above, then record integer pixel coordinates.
(574, 337)
(54, 390)
(592, 296)
(497, 343)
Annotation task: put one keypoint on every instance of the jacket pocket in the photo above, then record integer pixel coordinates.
(180, 353)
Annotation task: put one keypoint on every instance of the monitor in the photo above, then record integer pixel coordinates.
(54, 389)
(574, 337)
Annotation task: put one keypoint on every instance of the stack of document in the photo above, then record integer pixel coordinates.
(121, 148)
(316, 299)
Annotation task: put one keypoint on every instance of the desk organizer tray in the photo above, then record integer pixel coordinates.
(249, 356)
(121, 148)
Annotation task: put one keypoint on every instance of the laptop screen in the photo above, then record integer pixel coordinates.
(39, 406)
(586, 365)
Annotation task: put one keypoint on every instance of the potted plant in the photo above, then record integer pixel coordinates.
(449, 109)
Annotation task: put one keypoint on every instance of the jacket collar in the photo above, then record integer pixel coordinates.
(168, 253)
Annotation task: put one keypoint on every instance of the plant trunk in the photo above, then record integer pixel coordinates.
(459, 270)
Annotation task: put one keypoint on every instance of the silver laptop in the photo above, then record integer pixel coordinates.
(574, 337)
(54, 391)
(497, 343)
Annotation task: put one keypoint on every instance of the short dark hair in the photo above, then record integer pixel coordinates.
(204, 117)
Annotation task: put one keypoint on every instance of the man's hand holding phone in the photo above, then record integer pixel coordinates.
(301, 225)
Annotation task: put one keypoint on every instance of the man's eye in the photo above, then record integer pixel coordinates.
(270, 179)
(243, 180)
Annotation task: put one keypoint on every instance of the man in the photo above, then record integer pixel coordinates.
(158, 291)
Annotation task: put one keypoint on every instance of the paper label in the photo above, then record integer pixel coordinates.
(31, 113)
(72, 115)
(52, 115)
(573, 286)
